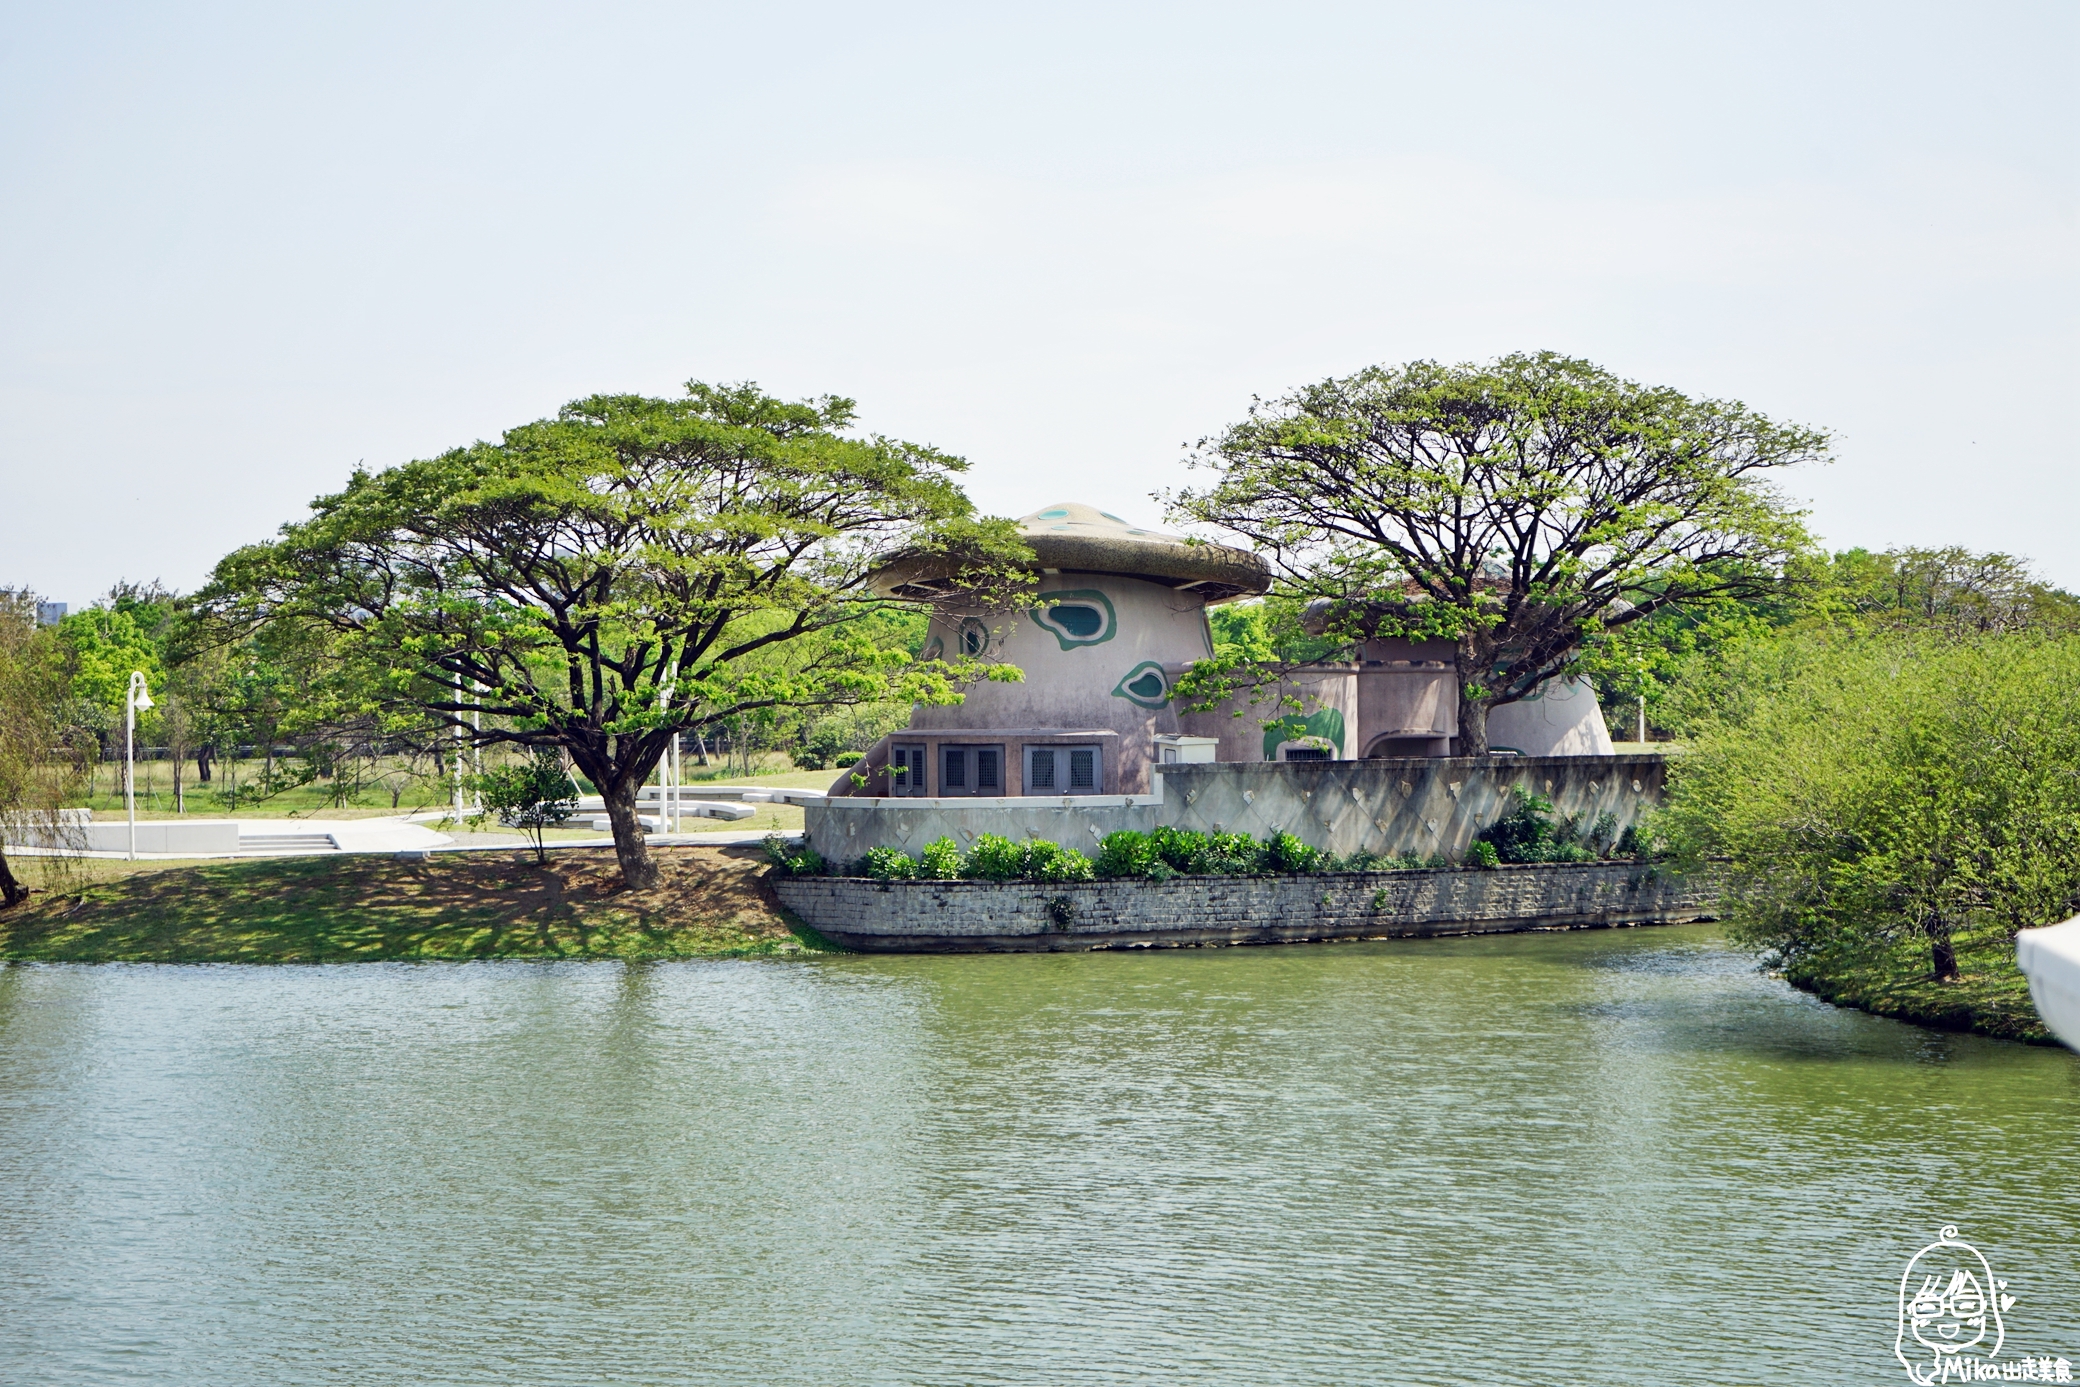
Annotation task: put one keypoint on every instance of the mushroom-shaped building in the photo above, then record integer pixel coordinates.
(1119, 614)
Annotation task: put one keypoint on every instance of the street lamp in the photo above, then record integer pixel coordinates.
(135, 702)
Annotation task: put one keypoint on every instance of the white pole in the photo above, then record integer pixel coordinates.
(138, 697)
(668, 764)
(130, 762)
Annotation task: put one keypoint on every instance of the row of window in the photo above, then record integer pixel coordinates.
(979, 770)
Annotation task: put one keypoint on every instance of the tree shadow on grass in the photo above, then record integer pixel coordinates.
(709, 902)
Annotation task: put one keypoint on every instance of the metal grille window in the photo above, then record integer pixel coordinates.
(1063, 770)
(971, 770)
(906, 767)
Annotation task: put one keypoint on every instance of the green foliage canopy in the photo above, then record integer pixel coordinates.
(1867, 790)
(628, 570)
(1518, 508)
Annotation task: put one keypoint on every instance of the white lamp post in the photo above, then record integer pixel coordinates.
(668, 770)
(135, 702)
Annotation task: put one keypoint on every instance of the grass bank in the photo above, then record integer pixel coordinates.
(1991, 998)
(710, 903)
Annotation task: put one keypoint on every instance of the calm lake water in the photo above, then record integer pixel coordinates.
(1590, 1158)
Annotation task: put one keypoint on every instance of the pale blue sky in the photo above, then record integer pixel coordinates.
(247, 247)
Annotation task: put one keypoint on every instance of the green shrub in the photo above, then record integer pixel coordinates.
(1285, 853)
(995, 858)
(1047, 860)
(890, 864)
(1483, 854)
(1233, 854)
(1168, 852)
(1527, 832)
(1127, 853)
(940, 860)
(787, 861)
(846, 758)
(1182, 850)
(533, 796)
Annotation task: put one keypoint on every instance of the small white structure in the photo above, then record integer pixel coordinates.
(1561, 719)
(2050, 959)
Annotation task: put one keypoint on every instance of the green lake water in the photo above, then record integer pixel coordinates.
(1608, 1157)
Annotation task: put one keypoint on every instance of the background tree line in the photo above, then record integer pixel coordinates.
(631, 570)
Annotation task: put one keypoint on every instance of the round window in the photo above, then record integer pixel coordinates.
(1077, 619)
(1082, 617)
(1145, 684)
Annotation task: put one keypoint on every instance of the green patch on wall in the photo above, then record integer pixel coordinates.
(1145, 684)
(1325, 723)
(1078, 616)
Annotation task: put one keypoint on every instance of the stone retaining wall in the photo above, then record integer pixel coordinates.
(1413, 807)
(944, 916)
(1403, 807)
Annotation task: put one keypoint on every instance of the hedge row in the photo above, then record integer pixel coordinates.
(1157, 856)
(1527, 833)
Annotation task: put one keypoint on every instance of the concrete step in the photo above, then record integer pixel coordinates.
(287, 842)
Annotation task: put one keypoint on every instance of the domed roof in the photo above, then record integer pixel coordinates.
(1074, 517)
(1071, 537)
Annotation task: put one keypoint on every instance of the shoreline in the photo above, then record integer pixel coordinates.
(714, 901)
(1991, 999)
(711, 902)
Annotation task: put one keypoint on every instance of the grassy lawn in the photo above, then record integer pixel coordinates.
(1992, 997)
(711, 903)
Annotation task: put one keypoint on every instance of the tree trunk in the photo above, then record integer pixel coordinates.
(12, 892)
(638, 872)
(1942, 955)
(1473, 727)
(203, 754)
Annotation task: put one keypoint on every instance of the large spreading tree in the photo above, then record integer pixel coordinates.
(629, 570)
(1522, 509)
(41, 769)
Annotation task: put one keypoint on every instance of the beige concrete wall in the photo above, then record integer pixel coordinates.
(203, 837)
(1238, 724)
(844, 830)
(1406, 807)
(1407, 691)
(1071, 682)
(1415, 806)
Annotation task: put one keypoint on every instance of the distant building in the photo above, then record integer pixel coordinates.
(1119, 617)
(49, 613)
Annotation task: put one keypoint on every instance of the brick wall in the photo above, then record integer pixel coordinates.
(933, 916)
